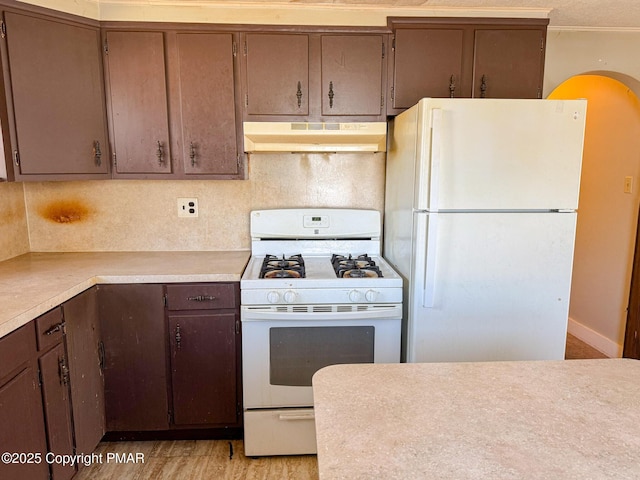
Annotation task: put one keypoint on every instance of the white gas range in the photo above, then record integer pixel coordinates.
(316, 292)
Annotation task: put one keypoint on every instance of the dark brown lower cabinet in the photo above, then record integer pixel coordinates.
(22, 434)
(85, 372)
(203, 368)
(57, 406)
(22, 430)
(160, 385)
(135, 371)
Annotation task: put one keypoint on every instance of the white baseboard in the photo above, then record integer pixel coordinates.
(594, 339)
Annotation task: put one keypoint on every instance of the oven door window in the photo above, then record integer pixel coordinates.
(296, 353)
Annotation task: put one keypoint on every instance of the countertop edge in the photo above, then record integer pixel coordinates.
(85, 280)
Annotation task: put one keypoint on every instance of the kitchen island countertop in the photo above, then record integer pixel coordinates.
(33, 283)
(575, 419)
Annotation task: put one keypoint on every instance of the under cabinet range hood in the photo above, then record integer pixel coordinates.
(315, 137)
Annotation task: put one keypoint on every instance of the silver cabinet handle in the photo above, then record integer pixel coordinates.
(192, 154)
(97, 153)
(160, 153)
(201, 298)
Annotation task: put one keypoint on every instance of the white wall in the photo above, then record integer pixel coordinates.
(608, 218)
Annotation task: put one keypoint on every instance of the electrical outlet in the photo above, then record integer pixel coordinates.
(628, 184)
(188, 207)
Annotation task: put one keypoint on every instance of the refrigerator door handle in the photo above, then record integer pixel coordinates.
(428, 298)
(436, 153)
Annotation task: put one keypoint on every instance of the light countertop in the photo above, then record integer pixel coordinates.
(33, 283)
(575, 419)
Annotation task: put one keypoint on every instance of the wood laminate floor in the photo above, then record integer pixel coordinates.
(195, 460)
(212, 459)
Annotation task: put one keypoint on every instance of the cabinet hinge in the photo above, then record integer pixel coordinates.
(246, 49)
(106, 47)
(3, 29)
(115, 160)
(234, 49)
(164, 300)
(39, 377)
(541, 43)
(393, 92)
(539, 92)
(383, 50)
(246, 100)
(382, 101)
(237, 327)
(393, 43)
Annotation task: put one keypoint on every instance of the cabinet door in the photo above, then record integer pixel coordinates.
(277, 74)
(138, 102)
(22, 424)
(58, 97)
(57, 406)
(135, 372)
(352, 67)
(207, 103)
(203, 368)
(508, 63)
(427, 63)
(84, 355)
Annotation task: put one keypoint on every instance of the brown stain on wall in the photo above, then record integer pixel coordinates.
(65, 211)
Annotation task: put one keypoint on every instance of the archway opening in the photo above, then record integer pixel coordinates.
(607, 211)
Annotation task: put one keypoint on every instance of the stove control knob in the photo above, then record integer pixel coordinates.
(289, 296)
(371, 295)
(273, 296)
(355, 295)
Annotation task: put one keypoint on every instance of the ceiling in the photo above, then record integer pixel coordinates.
(562, 13)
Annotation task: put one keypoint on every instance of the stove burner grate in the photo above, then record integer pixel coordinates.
(361, 266)
(285, 267)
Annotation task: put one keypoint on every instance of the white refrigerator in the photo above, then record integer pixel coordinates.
(480, 216)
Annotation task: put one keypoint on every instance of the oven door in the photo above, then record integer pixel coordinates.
(283, 346)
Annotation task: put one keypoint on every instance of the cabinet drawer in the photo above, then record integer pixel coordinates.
(50, 328)
(201, 296)
(16, 348)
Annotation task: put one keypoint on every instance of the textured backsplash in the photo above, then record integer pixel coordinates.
(14, 235)
(132, 215)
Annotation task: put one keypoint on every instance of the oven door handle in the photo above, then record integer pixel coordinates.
(297, 416)
(388, 312)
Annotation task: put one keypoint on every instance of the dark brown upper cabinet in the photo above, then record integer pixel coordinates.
(55, 124)
(459, 57)
(314, 76)
(172, 104)
(208, 137)
(138, 102)
(352, 75)
(428, 63)
(277, 74)
(508, 62)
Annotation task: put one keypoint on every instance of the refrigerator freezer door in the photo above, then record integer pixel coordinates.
(498, 154)
(500, 289)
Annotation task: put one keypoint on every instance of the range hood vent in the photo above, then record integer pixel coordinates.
(315, 137)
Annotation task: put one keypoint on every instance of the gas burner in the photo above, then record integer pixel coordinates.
(285, 267)
(361, 266)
